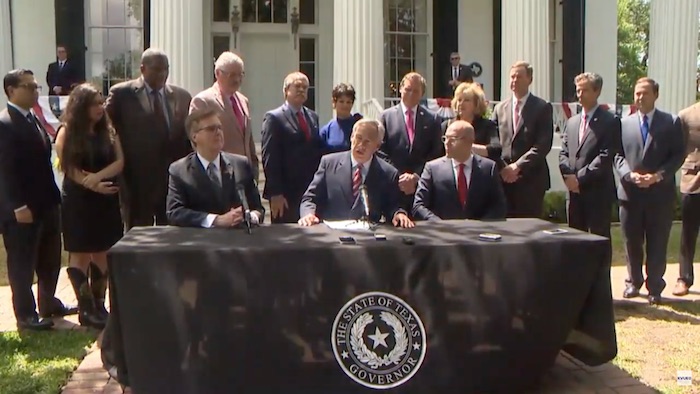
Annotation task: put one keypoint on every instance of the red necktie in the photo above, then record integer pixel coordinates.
(462, 188)
(304, 126)
(582, 130)
(356, 180)
(409, 126)
(237, 112)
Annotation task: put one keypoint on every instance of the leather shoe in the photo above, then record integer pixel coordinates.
(654, 300)
(59, 311)
(631, 291)
(681, 289)
(34, 323)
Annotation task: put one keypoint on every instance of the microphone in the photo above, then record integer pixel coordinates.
(246, 208)
(365, 201)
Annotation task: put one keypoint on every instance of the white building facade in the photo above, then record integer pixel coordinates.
(369, 43)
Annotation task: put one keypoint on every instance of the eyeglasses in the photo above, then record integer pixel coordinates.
(233, 74)
(451, 139)
(454, 58)
(30, 86)
(212, 128)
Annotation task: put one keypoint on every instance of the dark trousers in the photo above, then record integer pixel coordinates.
(646, 220)
(690, 208)
(589, 214)
(31, 248)
(524, 201)
(291, 214)
(137, 213)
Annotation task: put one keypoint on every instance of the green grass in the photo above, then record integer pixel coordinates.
(41, 362)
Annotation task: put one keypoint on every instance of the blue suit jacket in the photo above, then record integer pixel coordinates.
(329, 195)
(437, 198)
(289, 160)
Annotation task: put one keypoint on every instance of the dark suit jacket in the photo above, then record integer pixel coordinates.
(289, 160)
(192, 195)
(465, 75)
(329, 195)
(664, 152)
(592, 160)
(148, 150)
(26, 176)
(532, 142)
(64, 77)
(437, 197)
(427, 144)
(485, 133)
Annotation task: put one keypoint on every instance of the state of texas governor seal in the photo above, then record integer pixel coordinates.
(378, 340)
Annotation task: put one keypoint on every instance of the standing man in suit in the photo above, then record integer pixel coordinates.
(460, 185)
(202, 191)
(413, 136)
(652, 152)
(334, 193)
(526, 129)
(62, 74)
(29, 206)
(291, 150)
(690, 189)
(231, 106)
(590, 142)
(458, 73)
(149, 116)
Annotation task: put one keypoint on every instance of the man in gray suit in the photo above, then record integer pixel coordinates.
(412, 136)
(334, 193)
(525, 125)
(652, 152)
(460, 185)
(590, 142)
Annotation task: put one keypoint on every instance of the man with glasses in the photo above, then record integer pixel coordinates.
(461, 185)
(29, 206)
(231, 106)
(198, 180)
(457, 73)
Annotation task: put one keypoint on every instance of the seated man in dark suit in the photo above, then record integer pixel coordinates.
(461, 185)
(203, 190)
(334, 193)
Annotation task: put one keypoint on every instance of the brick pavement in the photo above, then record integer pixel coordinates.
(567, 376)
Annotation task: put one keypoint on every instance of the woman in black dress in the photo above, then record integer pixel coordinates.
(90, 157)
(469, 104)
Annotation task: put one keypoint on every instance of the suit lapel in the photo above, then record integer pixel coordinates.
(508, 109)
(402, 122)
(202, 179)
(343, 171)
(475, 173)
(652, 131)
(228, 180)
(142, 95)
(227, 106)
(524, 115)
(171, 104)
(448, 174)
(291, 118)
(589, 129)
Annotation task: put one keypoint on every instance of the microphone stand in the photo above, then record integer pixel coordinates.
(365, 202)
(247, 219)
(246, 208)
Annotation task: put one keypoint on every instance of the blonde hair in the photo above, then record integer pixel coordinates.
(472, 91)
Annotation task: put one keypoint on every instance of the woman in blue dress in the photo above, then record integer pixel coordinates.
(336, 134)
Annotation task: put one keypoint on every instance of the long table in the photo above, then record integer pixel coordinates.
(290, 309)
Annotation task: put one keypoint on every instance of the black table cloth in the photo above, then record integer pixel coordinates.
(291, 310)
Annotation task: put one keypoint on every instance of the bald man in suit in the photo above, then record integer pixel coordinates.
(231, 106)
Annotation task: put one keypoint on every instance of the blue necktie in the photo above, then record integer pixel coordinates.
(645, 129)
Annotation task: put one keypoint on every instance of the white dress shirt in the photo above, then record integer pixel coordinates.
(520, 110)
(467, 169)
(650, 117)
(209, 220)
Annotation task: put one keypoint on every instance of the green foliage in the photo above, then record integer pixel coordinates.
(41, 362)
(633, 46)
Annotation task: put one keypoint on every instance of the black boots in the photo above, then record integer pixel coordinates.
(98, 284)
(87, 314)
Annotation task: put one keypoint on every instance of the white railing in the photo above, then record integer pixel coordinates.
(371, 109)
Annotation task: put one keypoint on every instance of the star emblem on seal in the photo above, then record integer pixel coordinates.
(378, 340)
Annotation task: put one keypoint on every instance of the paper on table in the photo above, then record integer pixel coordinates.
(347, 225)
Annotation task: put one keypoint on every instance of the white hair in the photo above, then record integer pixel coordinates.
(293, 77)
(379, 126)
(152, 53)
(226, 59)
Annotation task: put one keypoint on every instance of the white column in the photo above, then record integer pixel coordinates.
(673, 51)
(525, 35)
(358, 48)
(6, 63)
(600, 52)
(177, 29)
